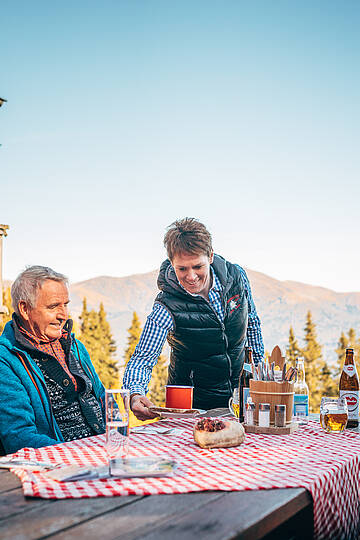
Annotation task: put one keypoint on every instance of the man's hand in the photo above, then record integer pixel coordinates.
(139, 406)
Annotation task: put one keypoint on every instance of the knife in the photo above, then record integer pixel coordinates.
(253, 370)
(273, 371)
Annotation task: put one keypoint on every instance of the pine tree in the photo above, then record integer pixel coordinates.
(76, 327)
(345, 342)
(107, 368)
(340, 351)
(329, 382)
(109, 343)
(315, 367)
(293, 351)
(133, 337)
(95, 334)
(6, 301)
(158, 381)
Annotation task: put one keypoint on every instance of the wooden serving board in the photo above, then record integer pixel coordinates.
(272, 430)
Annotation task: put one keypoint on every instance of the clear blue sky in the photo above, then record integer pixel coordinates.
(125, 115)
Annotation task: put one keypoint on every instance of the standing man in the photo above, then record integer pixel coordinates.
(49, 390)
(206, 312)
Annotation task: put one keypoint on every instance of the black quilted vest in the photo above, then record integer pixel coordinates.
(204, 351)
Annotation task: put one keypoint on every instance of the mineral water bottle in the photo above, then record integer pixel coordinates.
(301, 397)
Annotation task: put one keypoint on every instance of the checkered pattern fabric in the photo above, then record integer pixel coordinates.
(328, 466)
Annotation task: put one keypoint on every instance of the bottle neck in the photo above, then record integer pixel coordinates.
(301, 371)
(349, 358)
(248, 355)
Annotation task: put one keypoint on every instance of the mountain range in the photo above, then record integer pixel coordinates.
(279, 305)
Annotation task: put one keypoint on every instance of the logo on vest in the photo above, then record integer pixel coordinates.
(234, 303)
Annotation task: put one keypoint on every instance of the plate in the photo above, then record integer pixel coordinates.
(142, 467)
(170, 412)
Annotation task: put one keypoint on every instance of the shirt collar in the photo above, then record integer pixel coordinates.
(35, 340)
(216, 286)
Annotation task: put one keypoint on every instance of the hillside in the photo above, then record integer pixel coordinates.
(279, 304)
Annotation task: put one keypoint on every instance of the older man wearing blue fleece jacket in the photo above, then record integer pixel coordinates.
(49, 390)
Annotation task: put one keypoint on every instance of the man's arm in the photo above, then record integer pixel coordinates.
(139, 368)
(254, 335)
(17, 417)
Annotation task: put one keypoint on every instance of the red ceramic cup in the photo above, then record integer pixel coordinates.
(179, 397)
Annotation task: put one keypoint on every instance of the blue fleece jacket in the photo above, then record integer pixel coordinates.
(26, 417)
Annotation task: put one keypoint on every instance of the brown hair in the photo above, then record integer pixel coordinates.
(187, 235)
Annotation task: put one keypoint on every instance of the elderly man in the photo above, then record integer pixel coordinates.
(206, 311)
(49, 390)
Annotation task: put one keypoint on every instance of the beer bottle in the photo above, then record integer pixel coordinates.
(244, 384)
(349, 388)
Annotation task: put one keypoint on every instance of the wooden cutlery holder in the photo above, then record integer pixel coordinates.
(274, 393)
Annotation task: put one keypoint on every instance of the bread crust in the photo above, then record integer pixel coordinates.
(233, 434)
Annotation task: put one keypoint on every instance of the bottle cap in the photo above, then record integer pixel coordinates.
(280, 408)
(264, 406)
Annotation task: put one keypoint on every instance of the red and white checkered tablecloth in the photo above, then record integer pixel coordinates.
(328, 466)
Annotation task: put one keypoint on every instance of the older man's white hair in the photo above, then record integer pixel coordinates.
(26, 286)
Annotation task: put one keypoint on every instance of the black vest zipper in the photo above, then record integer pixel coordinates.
(225, 338)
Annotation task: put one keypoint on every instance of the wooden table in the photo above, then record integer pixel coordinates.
(270, 514)
(275, 513)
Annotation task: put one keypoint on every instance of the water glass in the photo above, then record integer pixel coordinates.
(333, 414)
(234, 403)
(117, 425)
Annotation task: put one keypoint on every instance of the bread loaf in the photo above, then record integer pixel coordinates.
(214, 433)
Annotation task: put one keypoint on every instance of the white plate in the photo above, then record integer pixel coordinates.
(176, 413)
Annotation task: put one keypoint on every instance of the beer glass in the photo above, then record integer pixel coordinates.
(333, 414)
(117, 425)
(234, 403)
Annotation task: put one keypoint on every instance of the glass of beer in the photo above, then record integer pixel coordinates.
(333, 414)
(234, 403)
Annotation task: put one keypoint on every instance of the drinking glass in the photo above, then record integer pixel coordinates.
(117, 425)
(234, 403)
(333, 414)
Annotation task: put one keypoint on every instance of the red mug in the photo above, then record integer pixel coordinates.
(179, 397)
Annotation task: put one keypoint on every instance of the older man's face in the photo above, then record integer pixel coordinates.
(47, 318)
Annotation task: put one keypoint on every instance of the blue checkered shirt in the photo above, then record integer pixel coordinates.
(138, 370)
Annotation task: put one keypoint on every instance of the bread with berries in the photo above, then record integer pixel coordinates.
(216, 433)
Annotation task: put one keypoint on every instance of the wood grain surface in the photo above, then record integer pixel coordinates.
(276, 513)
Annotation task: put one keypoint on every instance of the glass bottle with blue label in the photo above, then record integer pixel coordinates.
(301, 397)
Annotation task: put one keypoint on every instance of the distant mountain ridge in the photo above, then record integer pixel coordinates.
(279, 305)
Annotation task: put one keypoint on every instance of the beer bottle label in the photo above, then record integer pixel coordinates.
(349, 370)
(352, 398)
